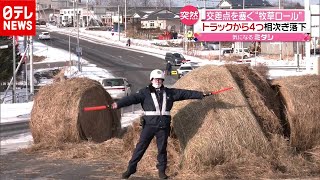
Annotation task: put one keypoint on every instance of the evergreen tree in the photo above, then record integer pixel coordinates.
(6, 59)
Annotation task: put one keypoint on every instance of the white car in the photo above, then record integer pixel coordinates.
(184, 69)
(117, 87)
(44, 36)
(246, 53)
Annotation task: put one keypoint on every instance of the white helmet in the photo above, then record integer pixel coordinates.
(157, 73)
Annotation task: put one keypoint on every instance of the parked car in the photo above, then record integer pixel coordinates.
(211, 45)
(315, 51)
(230, 51)
(44, 36)
(184, 69)
(43, 23)
(227, 51)
(175, 58)
(117, 87)
(66, 23)
(246, 53)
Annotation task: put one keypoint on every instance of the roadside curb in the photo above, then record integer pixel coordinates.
(13, 128)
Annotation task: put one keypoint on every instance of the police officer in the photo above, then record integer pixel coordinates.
(156, 101)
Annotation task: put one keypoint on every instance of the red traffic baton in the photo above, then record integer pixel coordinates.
(95, 108)
(222, 90)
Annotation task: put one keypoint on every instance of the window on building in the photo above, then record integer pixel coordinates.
(152, 24)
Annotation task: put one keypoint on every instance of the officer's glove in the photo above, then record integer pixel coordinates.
(113, 106)
(207, 94)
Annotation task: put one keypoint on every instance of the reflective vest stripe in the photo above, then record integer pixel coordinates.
(164, 103)
(154, 113)
(156, 104)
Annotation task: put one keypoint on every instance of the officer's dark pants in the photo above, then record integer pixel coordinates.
(147, 134)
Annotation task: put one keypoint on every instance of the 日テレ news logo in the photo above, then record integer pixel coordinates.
(17, 17)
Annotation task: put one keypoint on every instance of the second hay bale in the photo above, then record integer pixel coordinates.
(301, 98)
(218, 128)
(261, 97)
(57, 114)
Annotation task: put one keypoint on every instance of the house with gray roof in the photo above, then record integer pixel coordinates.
(164, 19)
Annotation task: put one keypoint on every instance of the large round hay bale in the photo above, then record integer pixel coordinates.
(218, 128)
(57, 114)
(301, 98)
(261, 97)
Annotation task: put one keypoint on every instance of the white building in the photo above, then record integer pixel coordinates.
(68, 16)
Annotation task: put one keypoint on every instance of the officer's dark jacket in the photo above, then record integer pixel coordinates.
(143, 96)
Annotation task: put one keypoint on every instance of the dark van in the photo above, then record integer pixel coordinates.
(175, 58)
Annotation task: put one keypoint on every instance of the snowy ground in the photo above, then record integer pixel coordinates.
(21, 111)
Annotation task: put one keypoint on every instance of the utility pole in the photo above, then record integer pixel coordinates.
(31, 67)
(119, 21)
(308, 43)
(25, 72)
(14, 70)
(79, 51)
(280, 43)
(184, 34)
(87, 13)
(125, 18)
(73, 14)
(26, 48)
(243, 3)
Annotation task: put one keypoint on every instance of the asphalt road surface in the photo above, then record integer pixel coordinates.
(135, 66)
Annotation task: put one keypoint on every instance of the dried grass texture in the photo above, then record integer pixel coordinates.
(262, 98)
(287, 162)
(60, 76)
(38, 58)
(314, 153)
(262, 69)
(218, 128)
(85, 151)
(57, 115)
(148, 162)
(282, 162)
(301, 98)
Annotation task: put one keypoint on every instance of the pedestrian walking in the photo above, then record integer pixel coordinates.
(128, 42)
(37, 77)
(168, 68)
(156, 101)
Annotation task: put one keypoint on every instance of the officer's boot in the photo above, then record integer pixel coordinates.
(126, 175)
(162, 175)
